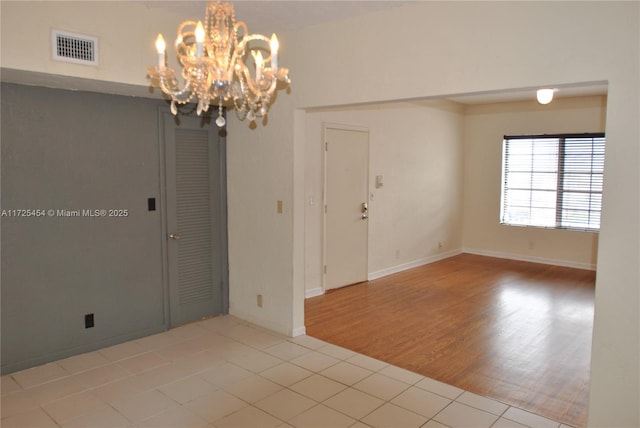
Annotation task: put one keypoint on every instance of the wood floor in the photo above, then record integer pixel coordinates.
(514, 331)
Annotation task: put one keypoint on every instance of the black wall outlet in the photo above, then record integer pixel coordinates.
(88, 321)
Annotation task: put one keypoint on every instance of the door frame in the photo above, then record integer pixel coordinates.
(165, 114)
(341, 127)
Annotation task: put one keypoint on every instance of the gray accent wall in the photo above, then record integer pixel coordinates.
(65, 150)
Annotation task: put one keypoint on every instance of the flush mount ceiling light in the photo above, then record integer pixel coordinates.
(545, 96)
(221, 63)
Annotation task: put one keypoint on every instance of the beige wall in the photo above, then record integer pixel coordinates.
(485, 126)
(261, 244)
(422, 49)
(439, 48)
(417, 149)
(126, 42)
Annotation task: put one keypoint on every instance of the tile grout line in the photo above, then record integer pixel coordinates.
(245, 341)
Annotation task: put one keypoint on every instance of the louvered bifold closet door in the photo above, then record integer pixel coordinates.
(196, 246)
(193, 194)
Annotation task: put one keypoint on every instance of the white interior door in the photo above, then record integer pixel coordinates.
(346, 206)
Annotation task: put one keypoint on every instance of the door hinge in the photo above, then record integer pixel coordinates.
(325, 209)
(326, 146)
(325, 269)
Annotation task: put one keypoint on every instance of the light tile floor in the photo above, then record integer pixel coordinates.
(223, 372)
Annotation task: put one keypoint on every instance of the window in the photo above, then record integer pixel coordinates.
(552, 181)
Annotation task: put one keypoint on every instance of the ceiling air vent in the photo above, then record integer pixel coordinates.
(76, 48)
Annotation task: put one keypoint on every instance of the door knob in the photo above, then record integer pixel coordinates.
(174, 236)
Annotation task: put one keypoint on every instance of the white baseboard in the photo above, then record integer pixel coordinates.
(532, 259)
(413, 264)
(262, 322)
(300, 331)
(291, 332)
(313, 292)
(318, 291)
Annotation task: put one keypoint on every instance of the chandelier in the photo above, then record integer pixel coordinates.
(221, 63)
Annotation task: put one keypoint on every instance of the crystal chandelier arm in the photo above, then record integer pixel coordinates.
(186, 57)
(240, 32)
(185, 45)
(165, 79)
(251, 37)
(169, 86)
(254, 88)
(237, 48)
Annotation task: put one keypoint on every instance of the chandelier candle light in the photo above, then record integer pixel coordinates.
(217, 67)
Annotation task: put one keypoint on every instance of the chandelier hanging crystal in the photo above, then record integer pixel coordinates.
(221, 63)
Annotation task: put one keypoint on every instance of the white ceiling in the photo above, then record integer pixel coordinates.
(561, 91)
(269, 16)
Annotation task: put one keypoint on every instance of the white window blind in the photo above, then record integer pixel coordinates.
(553, 181)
